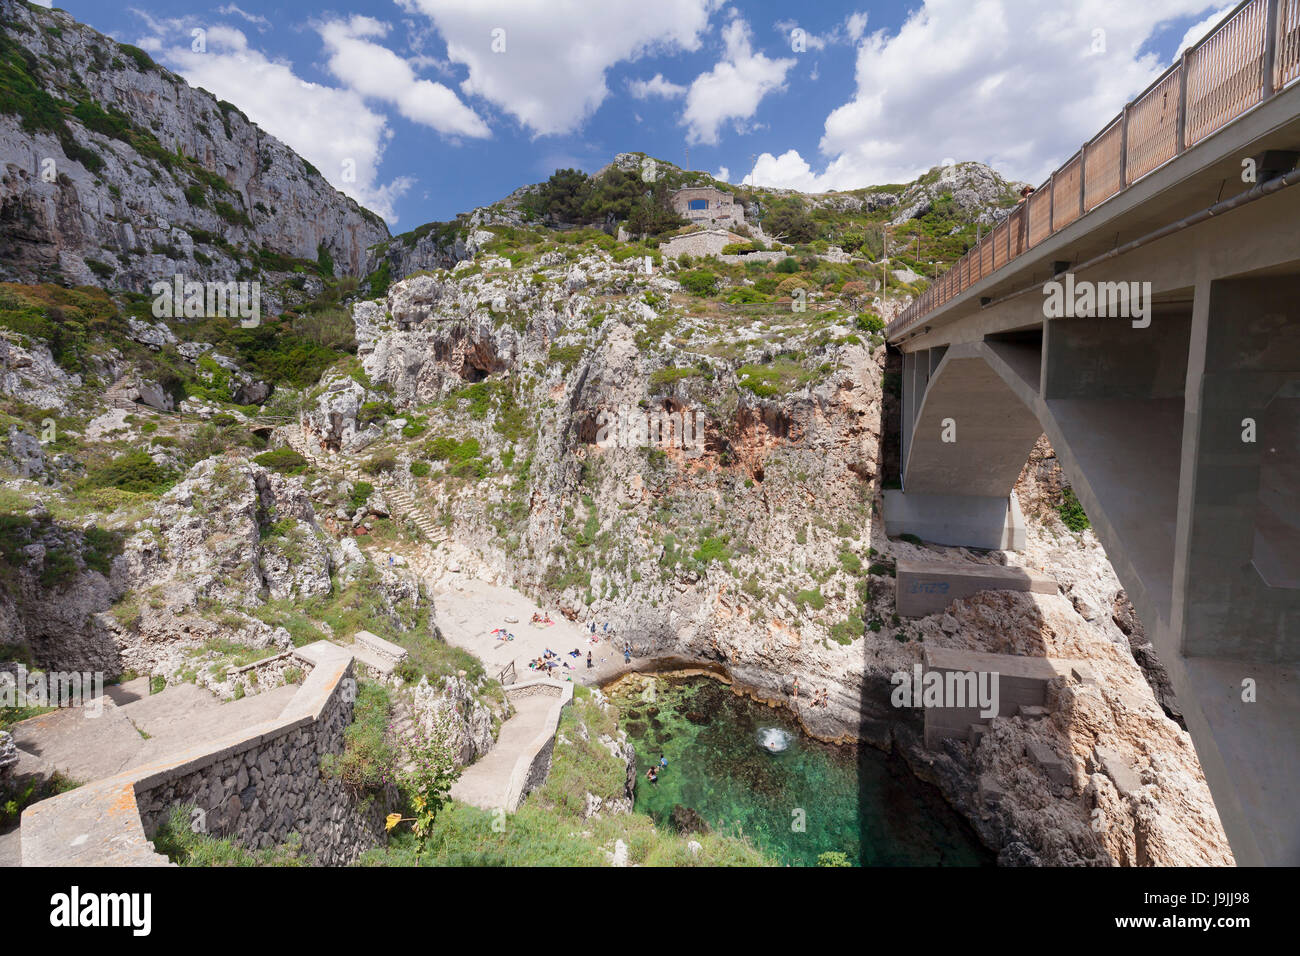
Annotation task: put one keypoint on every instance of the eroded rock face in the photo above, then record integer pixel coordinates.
(207, 536)
(50, 605)
(29, 374)
(230, 535)
(469, 718)
(333, 422)
(136, 228)
(975, 189)
(794, 479)
(25, 453)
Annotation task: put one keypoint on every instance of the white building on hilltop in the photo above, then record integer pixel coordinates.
(707, 206)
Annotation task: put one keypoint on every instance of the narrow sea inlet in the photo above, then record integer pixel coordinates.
(747, 769)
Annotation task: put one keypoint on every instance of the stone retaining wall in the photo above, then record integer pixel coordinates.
(257, 786)
(266, 674)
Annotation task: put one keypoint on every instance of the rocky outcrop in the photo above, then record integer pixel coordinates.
(29, 373)
(463, 712)
(436, 245)
(25, 453)
(213, 181)
(332, 423)
(58, 581)
(976, 192)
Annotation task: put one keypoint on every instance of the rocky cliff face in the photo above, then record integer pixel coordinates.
(762, 553)
(114, 171)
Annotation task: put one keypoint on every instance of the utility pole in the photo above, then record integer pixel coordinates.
(884, 264)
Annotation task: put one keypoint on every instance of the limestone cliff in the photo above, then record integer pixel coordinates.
(763, 553)
(115, 172)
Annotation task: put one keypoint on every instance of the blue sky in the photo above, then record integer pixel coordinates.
(424, 108)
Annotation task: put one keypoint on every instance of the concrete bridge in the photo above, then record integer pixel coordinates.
(1173, 404)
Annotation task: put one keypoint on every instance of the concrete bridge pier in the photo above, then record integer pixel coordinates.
(1232, 639)
(1181, 439)
(965, 437)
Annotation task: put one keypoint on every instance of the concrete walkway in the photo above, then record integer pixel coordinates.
(132, 728)
(486, 783)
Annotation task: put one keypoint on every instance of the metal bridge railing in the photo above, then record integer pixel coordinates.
(1250, 55)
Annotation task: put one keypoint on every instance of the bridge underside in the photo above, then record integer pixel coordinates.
(1182, 442)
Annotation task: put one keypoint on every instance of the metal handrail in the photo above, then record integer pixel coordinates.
(1252, 54)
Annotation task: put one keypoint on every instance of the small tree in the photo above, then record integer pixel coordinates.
(431, 770)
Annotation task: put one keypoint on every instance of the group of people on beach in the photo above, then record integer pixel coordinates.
(550, 660)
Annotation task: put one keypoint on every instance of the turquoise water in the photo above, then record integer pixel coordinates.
(795, 804)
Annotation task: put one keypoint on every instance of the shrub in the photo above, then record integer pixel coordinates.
(870, 322)
(361, 493)
(811, 597)
(565, 356)
(283, 460)
(381, 463)
(712, 549)
(134, 471)
(368, 762)
(373, 412)
(788, 286)
(328, 328)
(1071, 512)
(743, 295)
(448, 449)
(700, 282)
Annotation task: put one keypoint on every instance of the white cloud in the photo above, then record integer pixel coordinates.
(550, 71)
(655, 86)
(723, 175)
(47, 4)
(331, 128)
(733, 89)
(1010, 82)
(261, 22)
(375, 71)
(850, 31)
(1197, 31)
(812, 41)
(856, 25)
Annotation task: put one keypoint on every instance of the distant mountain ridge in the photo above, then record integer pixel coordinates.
(149, 175)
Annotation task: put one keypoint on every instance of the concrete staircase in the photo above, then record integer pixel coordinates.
(404, 504)
(486, 783)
